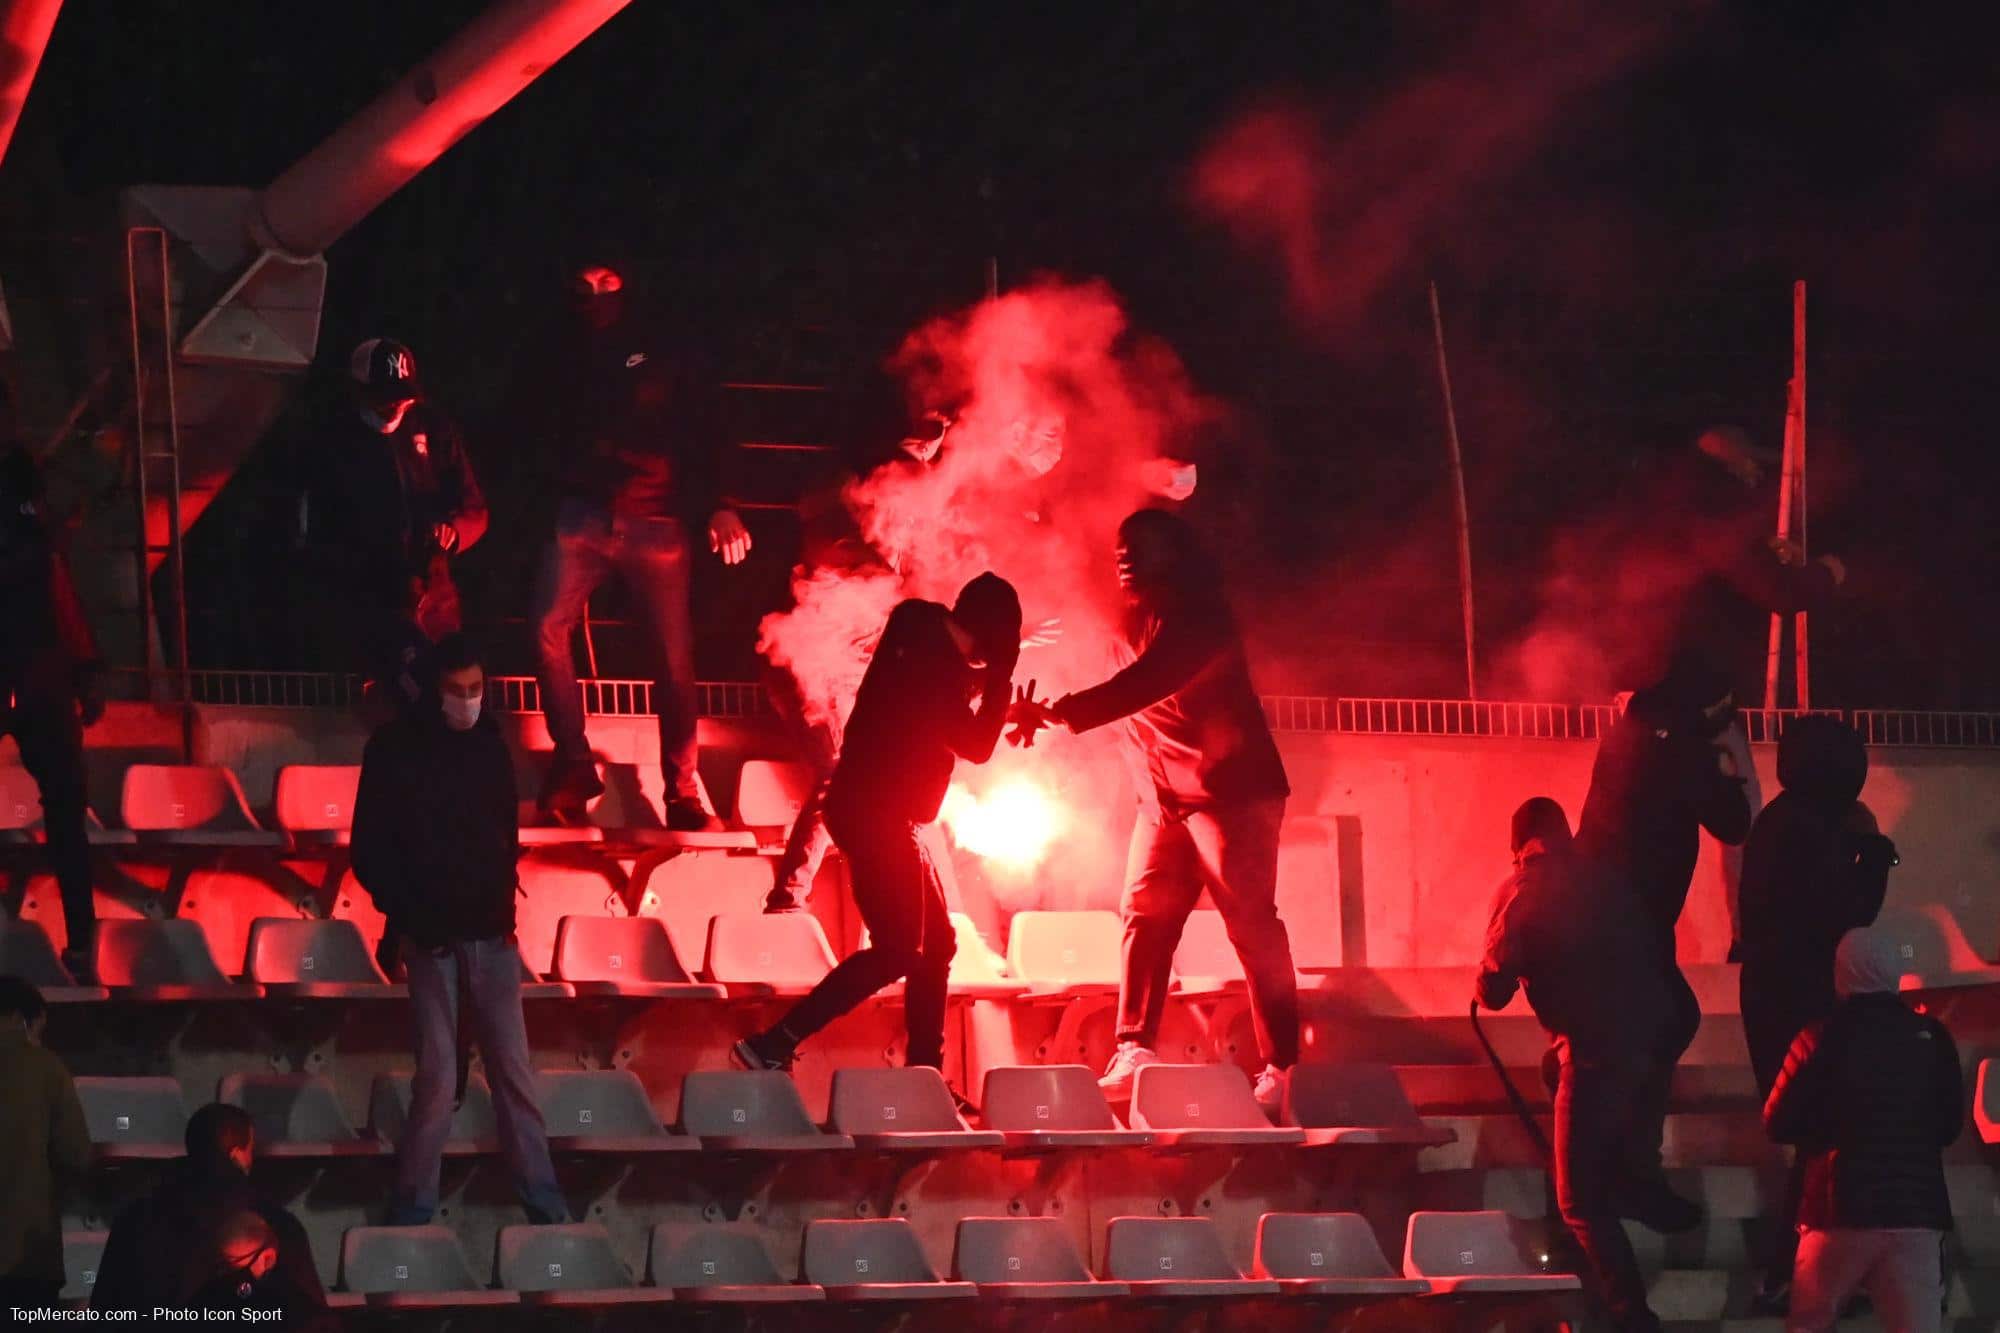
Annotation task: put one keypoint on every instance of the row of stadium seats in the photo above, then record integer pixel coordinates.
(1026, 1109)
(1012, 1258)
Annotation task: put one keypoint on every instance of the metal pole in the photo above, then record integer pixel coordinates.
(1799, 635)
(1458, 500)
(1788, 484)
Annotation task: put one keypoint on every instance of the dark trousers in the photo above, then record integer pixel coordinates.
(50, 738)
(1656, 1087)
(28, 1294)
(1601, 1125)
(901, 900)
(1233, 849)
(807, 846)
(651, 554)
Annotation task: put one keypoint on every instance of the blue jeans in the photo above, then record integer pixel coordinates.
(652, 556)
(489, 973)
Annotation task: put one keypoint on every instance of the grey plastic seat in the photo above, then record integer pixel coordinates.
(568, 1265)
(1062, 954)
(751, 1111)
(716, 1264)
(1202, 1106)
(756, 954)
(603, 1111)
(25, 952)
(1327, 1254)
(625, 957)
(297, 1115)
(314, 960)
(82, 1252)
(905, 1110)
(1357, 1104)
(1048, 1107)
(163, 961)
(412, 1268)
(314, 803)
(1478, 1252)
(1205, 961)
(877, 1259)
(1025, 1259)
(190, 805)
(140, 1119)
(1175, 1256)
(475, 1130)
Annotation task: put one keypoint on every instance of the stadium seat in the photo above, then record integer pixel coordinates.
(751, 1111)
(626, 817)
(627, 957)
(314, 960)
(82, 1251)
(1936, 955)
(297, 1115)
(25, 952)
(1356, 1104)
(21, 813)
(758, 955)
(876, 1259)
(134, 1118)
(1025, 1259)
(711, 1263)
(534, 987)
(1205, 962)
(474, 1128)
(418, 1268)
(1470, 1253)
(314, 803)
(1327, 1254)
(1066, 953)
(1046, 1107)
(567, 1265)
(158, 961)
(1175, 1256)
(977, 972)
(770, 794)
(903, 1110)
(603, 1111)
(1986, 1103)
(1203, 1106)
(190, 805)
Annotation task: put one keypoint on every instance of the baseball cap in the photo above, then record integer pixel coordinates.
(386, 368)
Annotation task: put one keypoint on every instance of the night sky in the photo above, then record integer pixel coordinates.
(805, 183)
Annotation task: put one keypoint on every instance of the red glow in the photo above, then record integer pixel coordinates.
(600, 281)
(1010, 826)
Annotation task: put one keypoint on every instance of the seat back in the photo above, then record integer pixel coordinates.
(616, 948)
(25, 952)
(575, 1257)
(1027, 1098)
(771, 792)
(284, 950)
(403, 1259)
(316, 798)
(788, 950)
(1195, 1097)
(20, 799)
(1311, 1245)
(1066, 948)
(182, 797)
(1165, 1249)
(841, 1253)
(596, 1103)
(145, 952)
(288, 1108)
(974, 960)
(389, 1099)
(717, 1103)
(1481, 1244)
(1017, 1249)
(1342, 1095)
(707, 1254)
(1205, 952)
(1929, 940)
(133, 1110)
(82, 1252)
(911, 1100)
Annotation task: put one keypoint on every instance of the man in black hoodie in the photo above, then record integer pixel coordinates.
(435, 843)
(1872, 1095)
(910, 726)
(1574, 937)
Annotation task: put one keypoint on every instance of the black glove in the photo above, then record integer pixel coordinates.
(1876, 853)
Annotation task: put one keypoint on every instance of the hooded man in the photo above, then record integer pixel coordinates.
(910, 725)
(1574, 936)
(1871, 1095)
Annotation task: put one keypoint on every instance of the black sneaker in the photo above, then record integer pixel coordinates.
(1654, 1204)
(764, 1051)
(570, 785)
(686, 815)
(779, 904)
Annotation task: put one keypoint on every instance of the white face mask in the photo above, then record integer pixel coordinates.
(461, 711)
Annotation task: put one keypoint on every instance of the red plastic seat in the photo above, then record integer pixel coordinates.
(162, 961)
(1357, 1105)
(1177, 1257)
(412, 1268)
(314, 803)
(754, 954)
(718, 1264)
(21, 813)
(1482, 1252)
(1025, 1259)
(314, 960)
(1049, 1107)
(876, 1259)
(902, 1110)
(977, 972)
(769, 795)
(624, 957)
(1327, 1254)
(191, 805)
(1200, 1106)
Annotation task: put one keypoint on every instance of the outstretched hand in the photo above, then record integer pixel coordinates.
(1027, 715)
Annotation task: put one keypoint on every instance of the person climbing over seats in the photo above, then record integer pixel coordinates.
(910, 725)
(1574, 936)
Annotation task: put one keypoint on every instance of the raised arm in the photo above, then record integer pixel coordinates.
(1183, 648)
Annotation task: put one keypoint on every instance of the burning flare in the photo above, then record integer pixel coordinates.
(1012, 825)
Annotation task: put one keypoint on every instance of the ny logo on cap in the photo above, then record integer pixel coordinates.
(398, 365)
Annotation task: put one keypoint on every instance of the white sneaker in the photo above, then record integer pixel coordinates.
(1270, 1090)
(1123, 1071)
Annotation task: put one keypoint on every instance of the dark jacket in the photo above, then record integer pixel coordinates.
(1188, 692)
(45, 641)
(162, 1247)
(1575, 937)
(436, 829)
(1871, 1095)
(912, 720)
(44, 1145)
